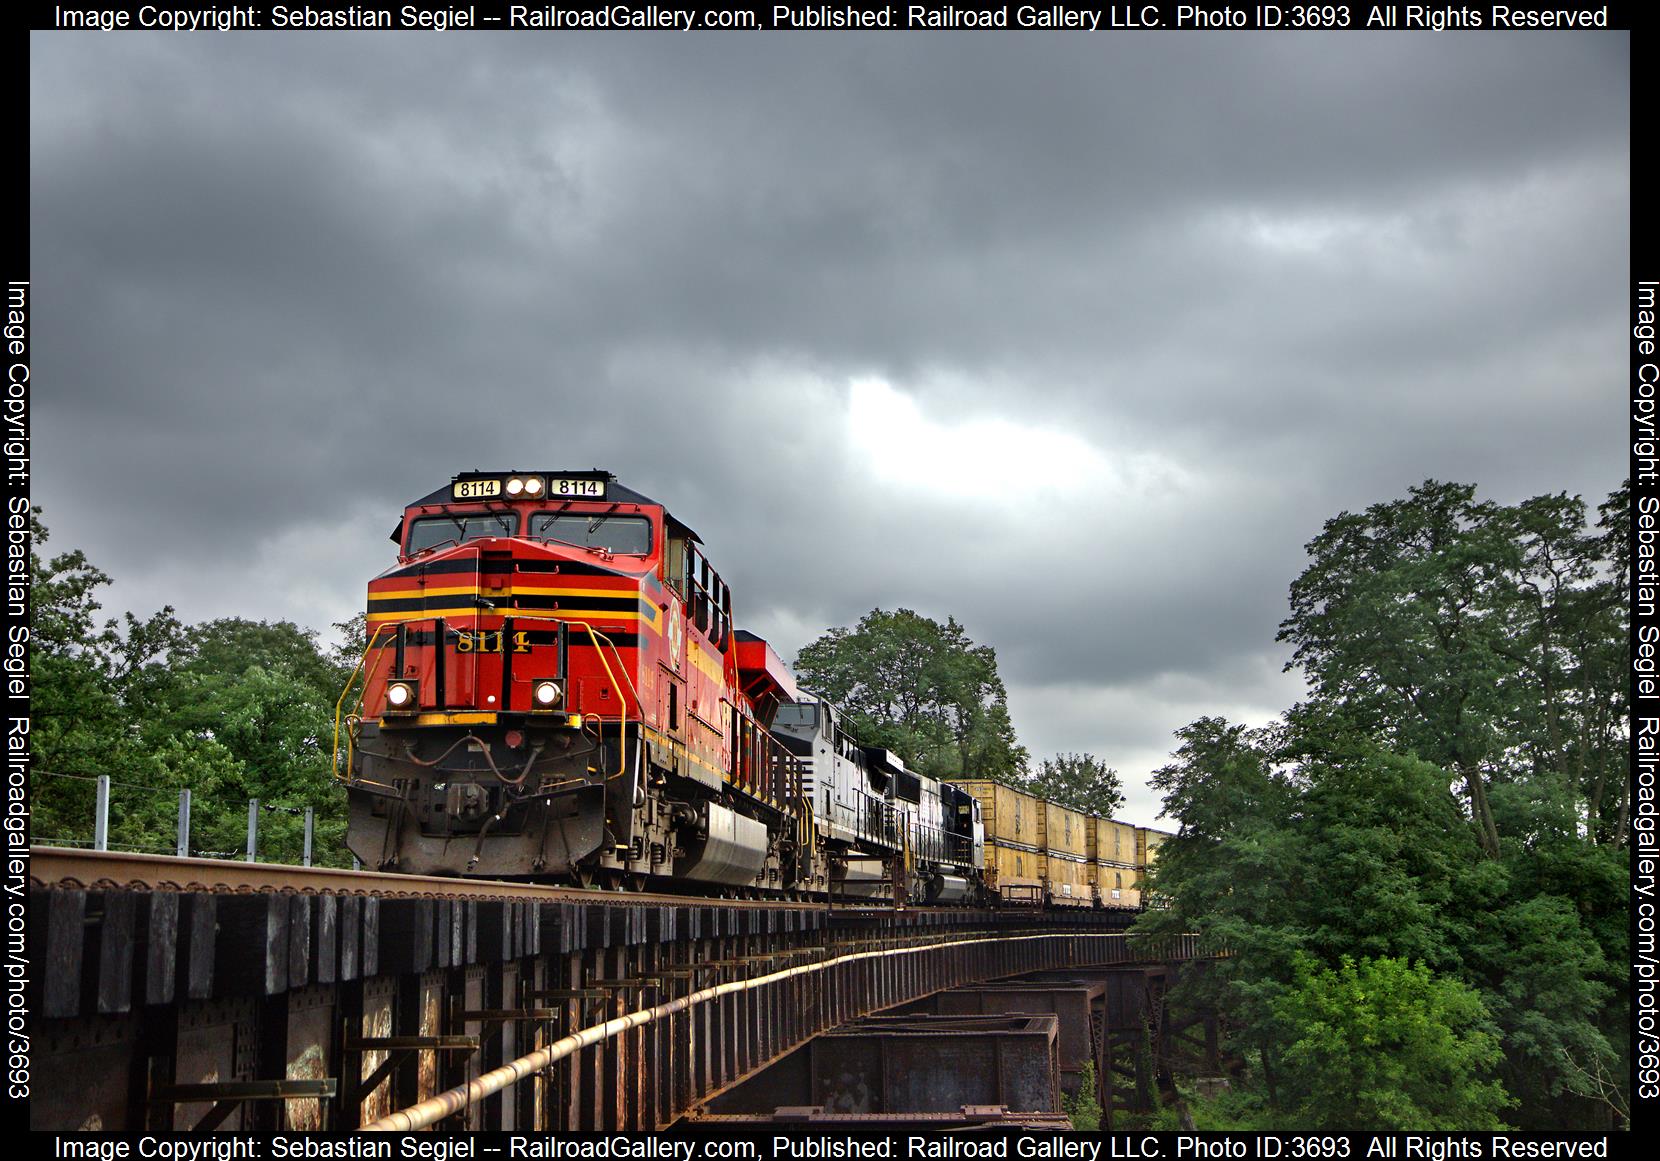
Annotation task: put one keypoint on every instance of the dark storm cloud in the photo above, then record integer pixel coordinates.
(1212, 289)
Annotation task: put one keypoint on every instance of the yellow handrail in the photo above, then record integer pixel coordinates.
(362, 663)
(622, 709)
(593, 634)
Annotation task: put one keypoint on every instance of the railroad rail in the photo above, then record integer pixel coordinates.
(73, 868)
(174, 993)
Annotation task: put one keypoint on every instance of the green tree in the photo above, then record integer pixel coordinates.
(1394, 620)
(1549, 986)
(230, 710)
(1081, 781)
(1381, 1044)
(265, 694)
(1225, 876)
(922, 689)
(1606, 659)
(354, 640)
(233, 644)
(1451, 645)
(1269, 813)
(1567, 628)
(1485, 639)
(1400, 874)
(86, 669)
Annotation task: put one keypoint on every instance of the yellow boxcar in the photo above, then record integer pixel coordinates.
(1066, 843)
(1112, 863)
(1015, 874)
(1012, 818)
(1147, 841)
(1068, 831)
(1015, 828)
(1092, 853)
(1119, 886)
(1117, 843)
(1069, 881)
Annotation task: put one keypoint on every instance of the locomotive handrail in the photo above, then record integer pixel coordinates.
(783, 767)
(804, 804)
(361, 667)
(622, 712)
(374, 637)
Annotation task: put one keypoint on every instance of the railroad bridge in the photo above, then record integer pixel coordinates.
(177, 994)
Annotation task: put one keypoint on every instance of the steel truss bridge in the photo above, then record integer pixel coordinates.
(171, 994)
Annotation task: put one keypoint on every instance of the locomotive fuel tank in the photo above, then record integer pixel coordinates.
(729, 849)
(950, 889)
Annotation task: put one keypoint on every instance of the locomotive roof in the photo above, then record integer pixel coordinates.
(614, 492)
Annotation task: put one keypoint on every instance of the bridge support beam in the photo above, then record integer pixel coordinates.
(342, 1008)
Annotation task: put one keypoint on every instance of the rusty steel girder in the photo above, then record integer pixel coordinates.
(353, 998)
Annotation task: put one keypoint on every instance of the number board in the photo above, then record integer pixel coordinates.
(491, 641)
(576, 489)
(476, 489)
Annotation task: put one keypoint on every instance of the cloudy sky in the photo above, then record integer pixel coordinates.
(1076, 337)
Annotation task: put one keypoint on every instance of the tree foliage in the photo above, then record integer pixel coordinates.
(1081, 781)
(1479, 637)
(922, 689)
(1452, 795)
(230, 710)
(1381, 1044)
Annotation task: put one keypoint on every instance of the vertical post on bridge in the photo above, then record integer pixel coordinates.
(183, 844)
(310, 819)
(253, 828)
(101, 815)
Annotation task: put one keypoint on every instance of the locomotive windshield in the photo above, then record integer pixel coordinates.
(431, 531)
(796, 713)
(628, 535)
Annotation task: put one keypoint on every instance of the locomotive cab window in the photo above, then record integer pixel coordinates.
(625, 535)
(432, 531)
(796, 713)
(674, 564)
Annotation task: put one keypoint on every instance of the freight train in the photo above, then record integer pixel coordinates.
(553, 687)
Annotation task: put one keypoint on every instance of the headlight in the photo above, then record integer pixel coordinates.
(533, 485)
(546, 694)
(400, 695)
(515, 486)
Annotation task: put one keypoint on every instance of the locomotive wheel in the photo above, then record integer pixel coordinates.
(630, 882)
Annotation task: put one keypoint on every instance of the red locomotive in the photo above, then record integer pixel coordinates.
(553, 687)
